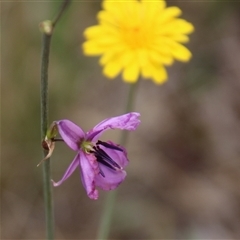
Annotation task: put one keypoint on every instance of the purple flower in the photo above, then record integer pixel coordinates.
(101, 163)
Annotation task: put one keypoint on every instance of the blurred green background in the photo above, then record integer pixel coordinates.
(184, 174)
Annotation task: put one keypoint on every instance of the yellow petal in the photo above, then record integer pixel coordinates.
(92, 49)
(123, 12)
(114, 7)
(112, 69)
(132, 15)
(127, 57)
(176, 26)
(159, 75)
(156, 72)
(158, 57)
(172, 48)
(180, 38)
(92, 32)
(131, 72)
(106, 17)
(142, 56)
(99, 41)
(118, 52)
(183, 26)
(161, 45)
(146, 71)
(101, 31)
(180, 52)
(151, 8)
(168, 14)
(107, 40)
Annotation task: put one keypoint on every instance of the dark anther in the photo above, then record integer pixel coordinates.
(100, 160)
(107, 145)
(105, 156)
(101, 172)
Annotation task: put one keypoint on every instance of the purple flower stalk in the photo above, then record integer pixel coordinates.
(101, 163)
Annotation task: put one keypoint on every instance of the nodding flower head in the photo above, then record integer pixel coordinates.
(101, 163)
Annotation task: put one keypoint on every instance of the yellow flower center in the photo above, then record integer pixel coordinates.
(135, 37)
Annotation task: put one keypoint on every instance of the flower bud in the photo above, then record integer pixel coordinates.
(46, 27)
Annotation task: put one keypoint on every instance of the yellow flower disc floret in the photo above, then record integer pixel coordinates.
(138, 38)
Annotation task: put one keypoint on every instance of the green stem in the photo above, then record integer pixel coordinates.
(129, 108)
(106, 219)
(44, 124)
(62, 9)
(47, 29)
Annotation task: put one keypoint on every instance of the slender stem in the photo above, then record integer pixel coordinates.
(47, 29)
(62, 9)
(44, 124)
(106, 218)
(129, 108)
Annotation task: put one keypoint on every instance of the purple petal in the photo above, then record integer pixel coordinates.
(89, 168)
(69, 171)
(127, 121)
(120, 157)
(112, 178)
(70, 133)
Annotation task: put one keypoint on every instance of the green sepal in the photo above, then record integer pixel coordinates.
(52, 131)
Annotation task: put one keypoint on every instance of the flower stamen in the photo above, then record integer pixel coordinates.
(101, 172)
(106, 157)
(107, 145)
(103, 158)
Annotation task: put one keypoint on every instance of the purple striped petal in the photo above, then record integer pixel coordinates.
(128, 121)
(88, 169)
(70, 133)
(112, 178)
(69, 171)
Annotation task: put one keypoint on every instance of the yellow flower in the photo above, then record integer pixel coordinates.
(138, 38)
